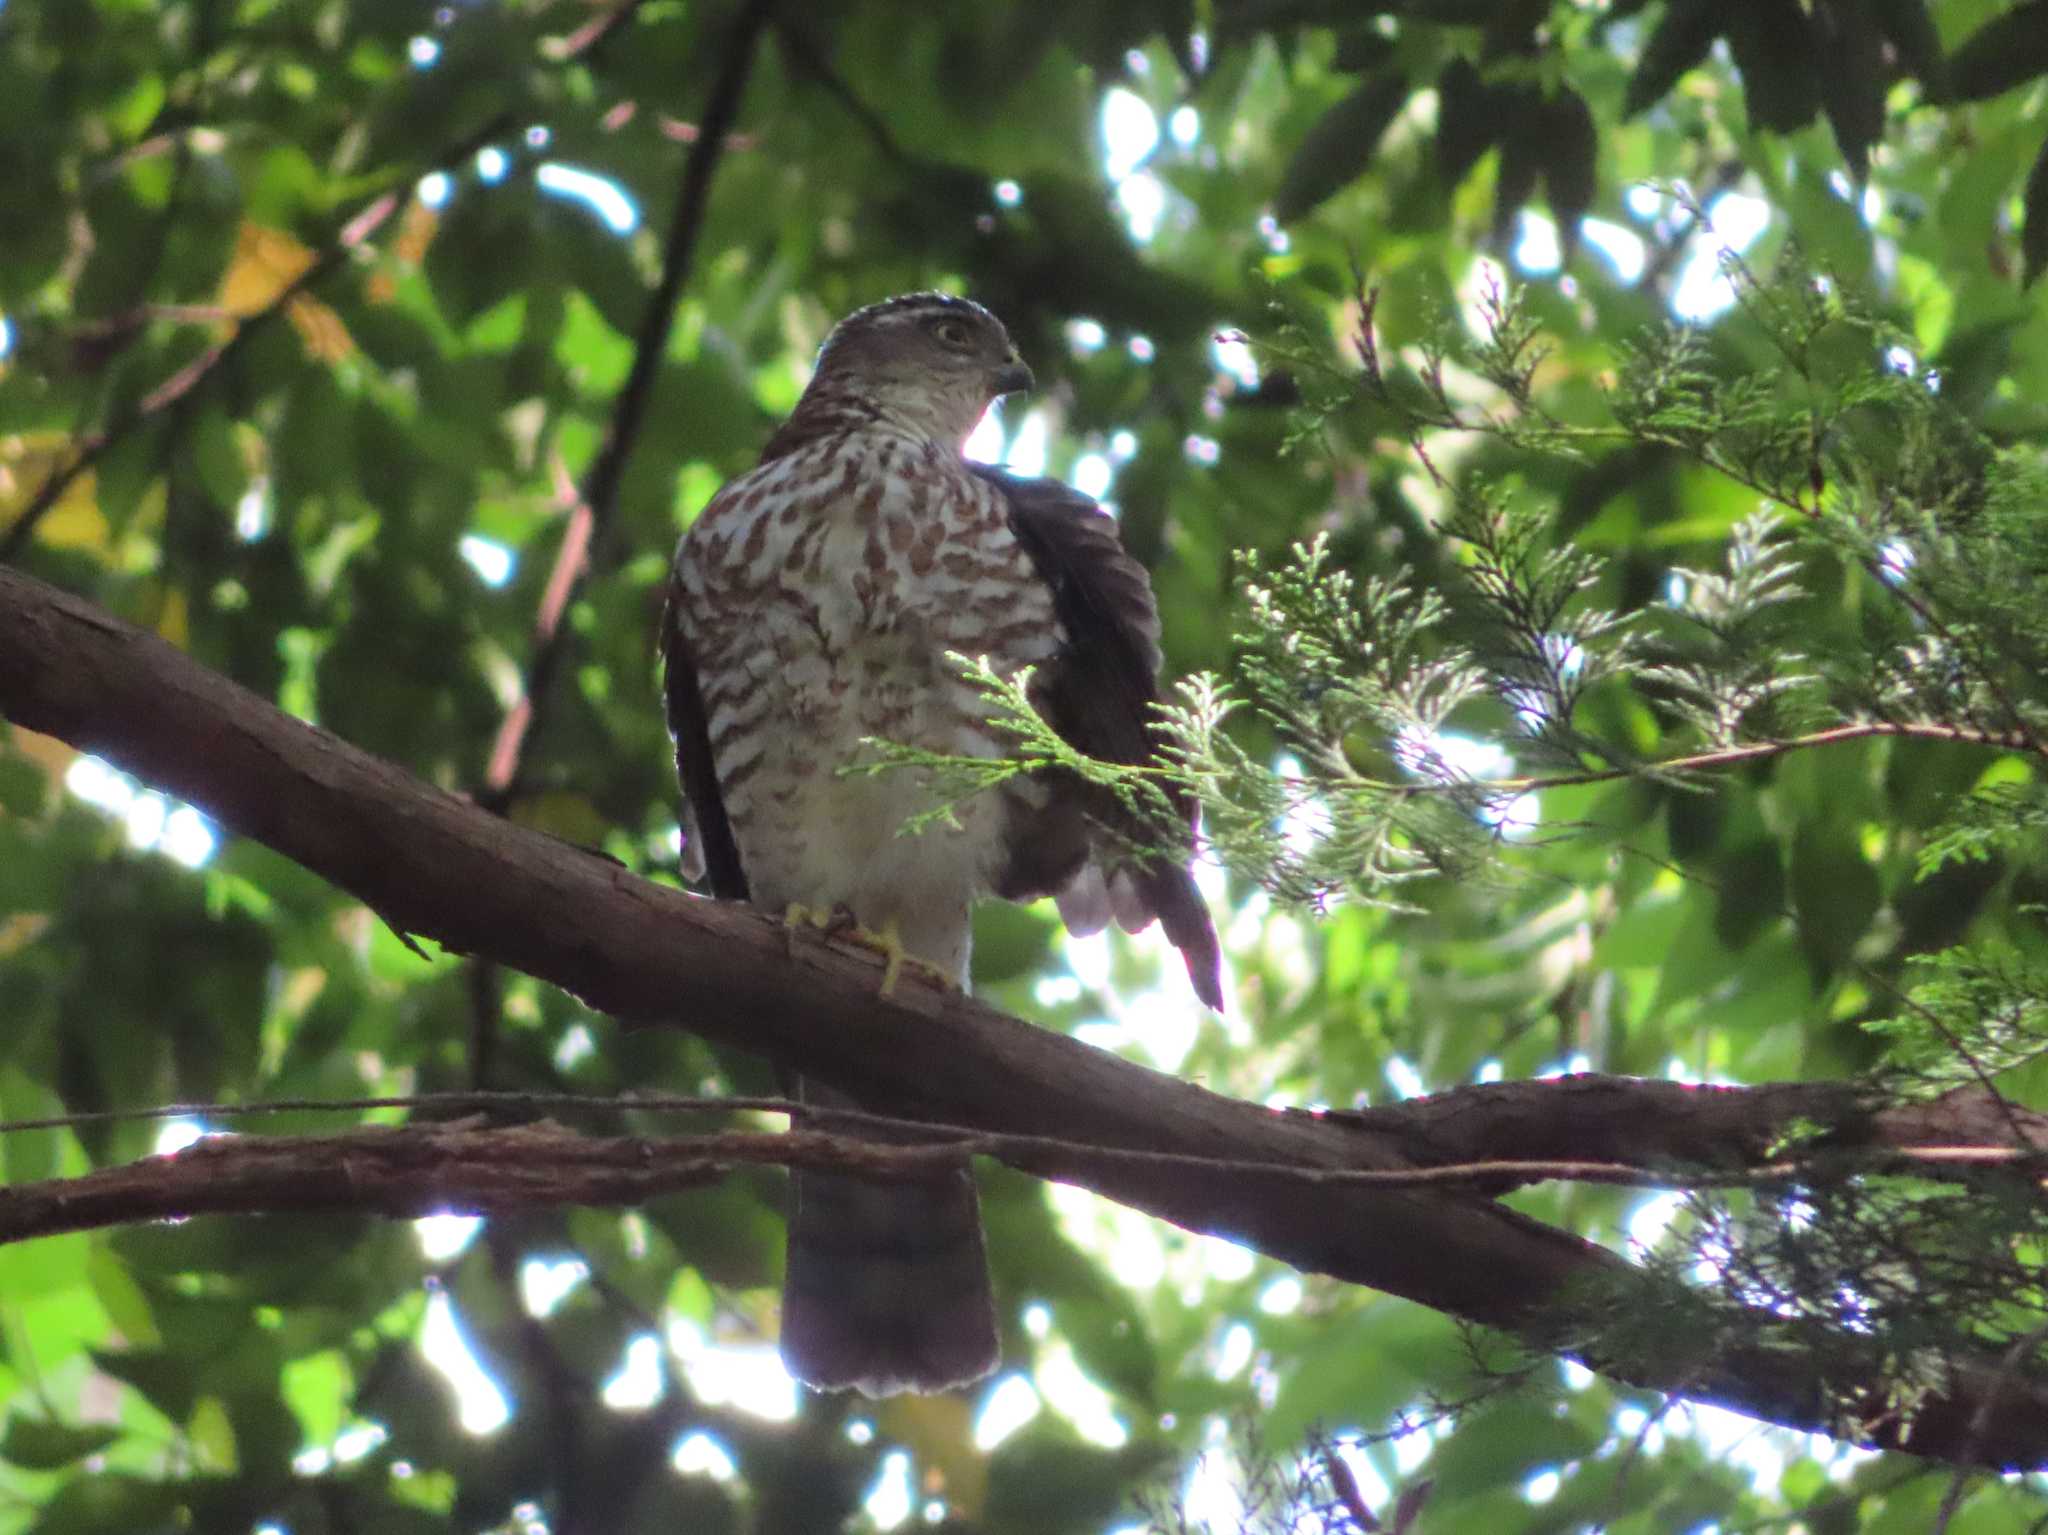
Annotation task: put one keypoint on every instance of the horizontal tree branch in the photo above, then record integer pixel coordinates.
(443, 868)
(1687, 1129)
(470, 1168)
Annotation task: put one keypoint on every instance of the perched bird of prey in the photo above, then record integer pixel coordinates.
(812, 604)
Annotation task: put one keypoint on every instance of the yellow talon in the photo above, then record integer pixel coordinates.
(887, 941)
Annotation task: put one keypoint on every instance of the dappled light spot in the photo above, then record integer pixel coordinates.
(1623, 248)
(491, 560)
(699, 1454)
(747, 1377)
(1233, 1351)
(480, 1405)
(1412, 1446)
(984, 444)
(1142, 196)
(150, 821)
(545, 1284)
(577, 1046)
(888, 1498)
(1650, 1219)
(600, 194)
(174, 1135)
(1010, 1404)
(1092, 475)
(1068, 1391)
(1283, 1296)
(1226, 1260)
(1028, 446)
(1402, 1076)
(1537, 251)
(1735, 222)
(1130, 132)
(637, 1383)
(252, 511)
(442, 1237)
(357, 1441)
(1232, 353)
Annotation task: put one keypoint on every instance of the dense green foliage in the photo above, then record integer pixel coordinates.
(1487, 588)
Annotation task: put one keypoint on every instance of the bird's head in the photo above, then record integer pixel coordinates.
(927, 361)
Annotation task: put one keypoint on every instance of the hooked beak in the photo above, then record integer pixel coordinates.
(1013, 377)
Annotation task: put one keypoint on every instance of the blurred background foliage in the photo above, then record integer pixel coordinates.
(349, 495)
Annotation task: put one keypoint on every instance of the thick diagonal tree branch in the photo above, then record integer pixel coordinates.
(434, 865)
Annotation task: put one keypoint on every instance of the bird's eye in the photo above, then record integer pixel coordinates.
(950, 333)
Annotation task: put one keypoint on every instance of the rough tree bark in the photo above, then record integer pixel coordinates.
(437, 866)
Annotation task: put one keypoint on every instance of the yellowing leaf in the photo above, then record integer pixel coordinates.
(267, 261)
(320, 328)
(53, 756)
(26, 464)
(20, 930)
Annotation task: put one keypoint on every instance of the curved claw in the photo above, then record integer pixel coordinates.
(838, 922)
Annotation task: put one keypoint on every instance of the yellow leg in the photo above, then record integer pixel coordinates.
(889, 944)
(838, 922)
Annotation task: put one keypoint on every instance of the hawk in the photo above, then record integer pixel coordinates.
(812, 604)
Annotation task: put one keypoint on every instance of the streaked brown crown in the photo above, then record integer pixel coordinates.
(926, 362)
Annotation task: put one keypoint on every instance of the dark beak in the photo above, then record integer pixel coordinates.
(1013, 377)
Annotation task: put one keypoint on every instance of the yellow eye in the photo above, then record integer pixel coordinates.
(951, 333)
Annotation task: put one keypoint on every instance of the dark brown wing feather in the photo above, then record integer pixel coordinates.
(692, 732)
(1099, 692)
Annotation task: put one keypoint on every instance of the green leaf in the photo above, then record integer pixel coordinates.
(218, 457)
(1339, 145)
(1571, 157)
(164, 1379)
(1853, 78)
(1506, 1442)
(94, 1505)
(43, 1446)
(1523, 153)
(1466, 122)
(2034, 232)
(1909, 28)
(1835, 893)
(1774, 49)
(2005, 52)
(1680, 42)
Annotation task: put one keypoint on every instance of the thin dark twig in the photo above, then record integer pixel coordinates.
(92, 447)
(600, 496)
(805, 55)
